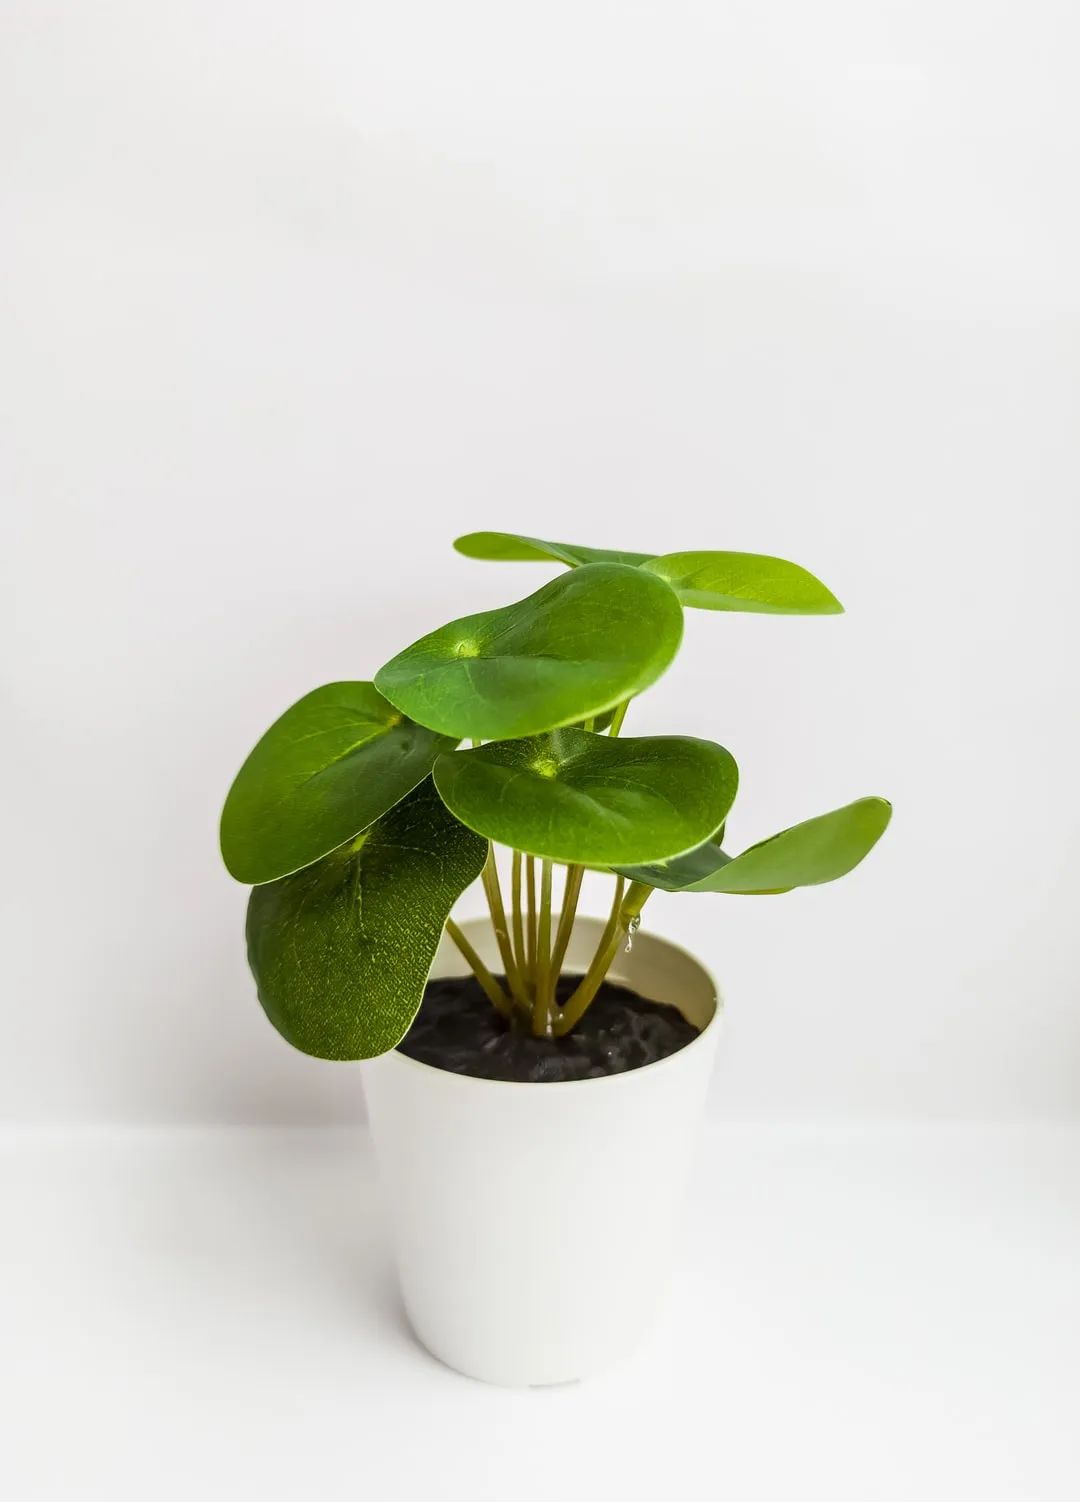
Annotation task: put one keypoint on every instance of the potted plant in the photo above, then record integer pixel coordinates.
(533, 1082)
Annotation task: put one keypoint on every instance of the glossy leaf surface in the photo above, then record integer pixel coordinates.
(744, 581)
(330, 766)
(341, 950)
(576, 797)
(806, 855)
(508, 547)
(575, 648)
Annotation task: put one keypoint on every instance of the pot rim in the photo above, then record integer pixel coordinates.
(622, 1078)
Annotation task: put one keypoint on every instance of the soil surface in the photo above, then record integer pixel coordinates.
(458, 1029)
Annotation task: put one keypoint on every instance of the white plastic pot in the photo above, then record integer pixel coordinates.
(534, 1223)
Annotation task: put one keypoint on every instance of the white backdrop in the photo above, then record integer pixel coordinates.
(294, 294)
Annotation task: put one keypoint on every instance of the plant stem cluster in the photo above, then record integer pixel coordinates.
(532, 962)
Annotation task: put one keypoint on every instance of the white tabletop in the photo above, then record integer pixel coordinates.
(858, 1315)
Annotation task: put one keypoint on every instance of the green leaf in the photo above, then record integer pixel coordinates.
(707, 581)
(683, 871)
(329, 767)
(744, 581)
(575, 648)
(576, 797)
(508, 547)
(341, 951)
(806, 855)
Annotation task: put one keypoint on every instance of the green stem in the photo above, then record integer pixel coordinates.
(610, 929)
(515, 912)
(490, 878)
(571, 893)
(620, 716)
(495, 993)
(623, 911)
(530, 919)
(541, 1015)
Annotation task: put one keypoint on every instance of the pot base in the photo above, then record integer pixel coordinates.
(520, 1370)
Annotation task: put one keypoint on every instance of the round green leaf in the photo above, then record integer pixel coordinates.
(329, 767)
(806, 855)
(508, 547)
(575, 648)
(341, 950)
(744, 581)
(576, 797)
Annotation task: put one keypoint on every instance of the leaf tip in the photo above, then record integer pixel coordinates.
(878, 802)
(885, 805)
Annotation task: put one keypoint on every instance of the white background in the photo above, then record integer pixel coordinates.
(293, 294)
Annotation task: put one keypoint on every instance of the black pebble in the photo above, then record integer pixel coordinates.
(458, 1029)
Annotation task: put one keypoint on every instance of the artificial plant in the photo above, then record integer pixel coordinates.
(366, 810)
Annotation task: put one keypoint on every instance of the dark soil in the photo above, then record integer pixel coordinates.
(458, 1029)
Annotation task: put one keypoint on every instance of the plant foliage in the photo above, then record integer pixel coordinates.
(360, 817)
(581, 645)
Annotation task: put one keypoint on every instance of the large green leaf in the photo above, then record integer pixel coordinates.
(805, 855)
(707, 581)
(744, 581)
(575, 648)
(341, 951)
(577, 797)
(508, 547)
(329, 767)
